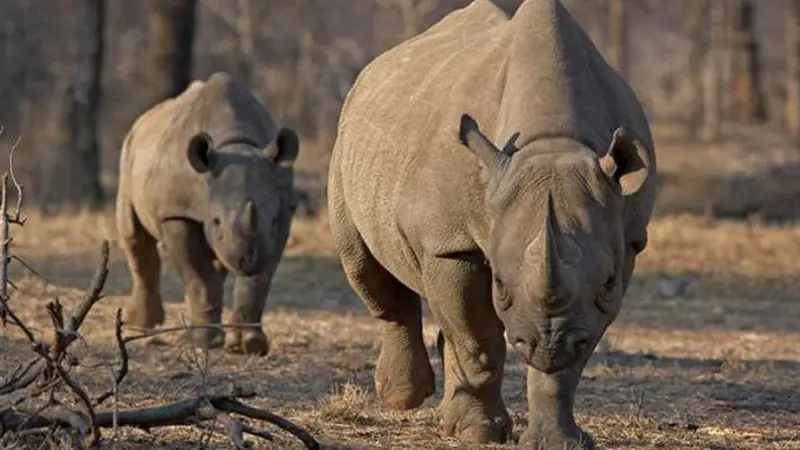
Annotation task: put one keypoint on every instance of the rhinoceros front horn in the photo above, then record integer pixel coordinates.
(551, 279)
(250, 217)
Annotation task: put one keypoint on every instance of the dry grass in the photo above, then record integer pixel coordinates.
(715, 368)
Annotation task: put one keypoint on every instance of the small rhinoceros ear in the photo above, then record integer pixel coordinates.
(283, 150)
(201, 152)
(626, 162)
(471, 136)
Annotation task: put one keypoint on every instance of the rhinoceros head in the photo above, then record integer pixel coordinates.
(247, 198)
(556, 242)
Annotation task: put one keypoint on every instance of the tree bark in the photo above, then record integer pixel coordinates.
(697, 30)
(748, 101)
(793, 71)
(617, 35)
(171, 28)
(712, 82)
(80, 115)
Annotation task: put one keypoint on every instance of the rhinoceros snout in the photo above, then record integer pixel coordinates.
(252, 261)
(548, 354)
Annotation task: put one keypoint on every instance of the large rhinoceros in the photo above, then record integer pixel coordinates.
(536, 238)
(208, 176)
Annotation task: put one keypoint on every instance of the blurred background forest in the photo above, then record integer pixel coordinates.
(74, 75)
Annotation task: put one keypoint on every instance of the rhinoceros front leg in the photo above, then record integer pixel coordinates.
(459, 294)
(249, 297)
(403, 374)
(551, 422)
(192, 257)
(145, 308)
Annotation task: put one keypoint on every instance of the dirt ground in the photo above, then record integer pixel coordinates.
(705, 354)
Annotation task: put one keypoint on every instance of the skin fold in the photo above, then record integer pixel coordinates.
(500, 169)
(207, 178)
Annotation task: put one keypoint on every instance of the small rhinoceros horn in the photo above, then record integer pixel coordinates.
(250, 217)
(551, 278)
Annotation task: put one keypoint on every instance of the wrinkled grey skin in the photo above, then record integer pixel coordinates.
(535, 240)
(207, 176)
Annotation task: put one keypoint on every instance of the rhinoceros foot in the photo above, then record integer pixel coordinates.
(468, 420)
(144, 312)
(247, 341)
(206, 338)
(403, 378)
(554, 438)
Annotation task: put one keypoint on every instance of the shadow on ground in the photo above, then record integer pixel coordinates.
(717, 301)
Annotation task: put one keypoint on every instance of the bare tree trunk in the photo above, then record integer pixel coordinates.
(793, 71)
(80, 109)
(748, 102)
(247, 48)
(171, 24)
(617, 26)
(697, 29)
(712, 85)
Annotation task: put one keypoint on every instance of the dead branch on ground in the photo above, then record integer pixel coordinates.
(42, 393)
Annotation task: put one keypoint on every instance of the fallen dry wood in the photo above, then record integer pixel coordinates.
(41, 393)
(19, 410)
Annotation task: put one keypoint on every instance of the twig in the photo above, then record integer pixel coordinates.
(123, 368)
(6, 312)
(17, 218)
(232, 405)
(92, 296)
(29, 268)
(187, 412)
(266, 435)
(79, 392)
(161, 331)
(235, 431)
(5, 243)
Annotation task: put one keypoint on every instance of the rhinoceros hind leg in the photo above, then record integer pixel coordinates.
(459, 295)
(203, 281)
(145, 308)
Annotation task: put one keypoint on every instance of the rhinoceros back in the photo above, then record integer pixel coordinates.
(402, 115)
(397, 148)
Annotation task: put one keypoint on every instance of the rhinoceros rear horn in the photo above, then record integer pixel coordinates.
(201, 152)
(626, 162)
(471, 136)
(283, 150)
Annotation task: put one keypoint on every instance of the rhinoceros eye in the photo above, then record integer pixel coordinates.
(606, 294)
(610, 283)
(501, 296)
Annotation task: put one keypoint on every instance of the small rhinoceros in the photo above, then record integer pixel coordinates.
(207, 176)
(536, 239)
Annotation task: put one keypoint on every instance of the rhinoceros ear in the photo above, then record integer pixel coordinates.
(201, 153)
(626, 162)
(283, 150)
(471, 136)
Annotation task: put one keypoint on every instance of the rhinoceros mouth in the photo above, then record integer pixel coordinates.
(552, 359)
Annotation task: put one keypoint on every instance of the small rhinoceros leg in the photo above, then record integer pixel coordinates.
(472, 408)
(249, 298)
(145, 308)
(551, 422)
(203, 281)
